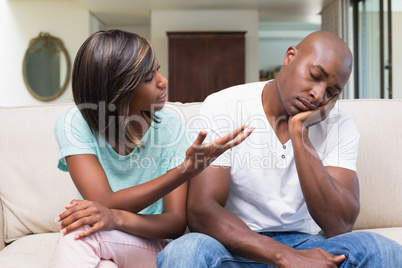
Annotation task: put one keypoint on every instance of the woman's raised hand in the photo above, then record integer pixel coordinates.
(199, 155)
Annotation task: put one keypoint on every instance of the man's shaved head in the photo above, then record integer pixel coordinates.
(331, 45)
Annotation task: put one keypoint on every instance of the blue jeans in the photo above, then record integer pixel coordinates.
(362, 249)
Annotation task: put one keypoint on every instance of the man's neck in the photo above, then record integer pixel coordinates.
(275, 112)
(272, 102)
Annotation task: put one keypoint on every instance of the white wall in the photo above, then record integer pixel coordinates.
(273, 45)
(143, 31)
(276, 37)
(272, 52)
(23, 20)
(206, 20)
(95, 24)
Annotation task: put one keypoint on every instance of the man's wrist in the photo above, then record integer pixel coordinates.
(297, 129)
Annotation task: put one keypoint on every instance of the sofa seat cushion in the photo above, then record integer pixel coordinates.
(33, 251)
(394, 233)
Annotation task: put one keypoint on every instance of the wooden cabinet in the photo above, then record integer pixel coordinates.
(201, 63)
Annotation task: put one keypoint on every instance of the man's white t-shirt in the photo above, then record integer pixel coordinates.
(265, 190)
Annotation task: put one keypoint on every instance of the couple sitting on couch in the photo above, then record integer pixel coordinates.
(277, 166)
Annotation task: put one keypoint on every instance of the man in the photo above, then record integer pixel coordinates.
(262, 203)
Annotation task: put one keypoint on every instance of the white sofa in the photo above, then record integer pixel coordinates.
(33, 191)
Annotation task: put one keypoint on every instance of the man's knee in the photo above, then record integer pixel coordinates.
(373, 241)
(187, 243)
(374, 248)
(190, 248)
(384, 245)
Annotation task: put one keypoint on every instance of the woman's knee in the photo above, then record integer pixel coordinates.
(69, 239)
(69, 249)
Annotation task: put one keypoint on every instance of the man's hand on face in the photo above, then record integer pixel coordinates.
(312, 117)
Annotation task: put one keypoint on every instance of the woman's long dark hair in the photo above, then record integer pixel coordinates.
(107, 69)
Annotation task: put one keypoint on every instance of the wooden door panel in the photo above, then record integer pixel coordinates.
(187, 70)
(201, 63)
(226, 63)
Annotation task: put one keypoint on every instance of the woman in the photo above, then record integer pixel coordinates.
(129, 159)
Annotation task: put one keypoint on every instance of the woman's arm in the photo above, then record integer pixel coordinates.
(168, 225)
(171, 223)
(91, 181)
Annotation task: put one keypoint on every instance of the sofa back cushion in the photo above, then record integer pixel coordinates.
(379, 160)
(33, 191)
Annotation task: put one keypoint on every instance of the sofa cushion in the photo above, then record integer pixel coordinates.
(33, 251)
(33, 191)
(378, 162)
(394, 233)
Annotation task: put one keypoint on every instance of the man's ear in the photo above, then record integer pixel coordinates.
(289, 55)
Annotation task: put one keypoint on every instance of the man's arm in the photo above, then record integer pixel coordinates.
(331, 193)
(208, 193)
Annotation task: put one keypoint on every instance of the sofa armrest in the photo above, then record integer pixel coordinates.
(2, 243)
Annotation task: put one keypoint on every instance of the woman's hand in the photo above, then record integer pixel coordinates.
(199, 156)
(82, 212)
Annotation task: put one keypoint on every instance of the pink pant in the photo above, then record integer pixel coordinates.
(106, 249)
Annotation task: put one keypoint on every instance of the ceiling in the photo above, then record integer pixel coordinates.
(138, 12)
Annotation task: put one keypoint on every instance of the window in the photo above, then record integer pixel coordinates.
(372, 48)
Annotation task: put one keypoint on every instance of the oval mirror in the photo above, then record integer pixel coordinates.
(46, 67)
